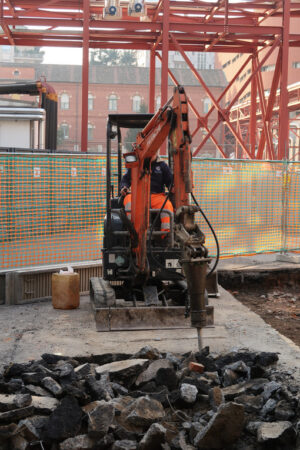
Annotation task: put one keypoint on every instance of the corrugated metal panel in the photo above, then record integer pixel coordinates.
(37, 285)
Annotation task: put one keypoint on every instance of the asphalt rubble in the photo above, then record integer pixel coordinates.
(149, 401)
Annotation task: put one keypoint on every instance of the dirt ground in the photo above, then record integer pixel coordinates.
(278, 307)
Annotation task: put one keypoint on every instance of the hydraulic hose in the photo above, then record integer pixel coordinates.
(213, 232)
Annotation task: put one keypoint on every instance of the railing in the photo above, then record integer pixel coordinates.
(52, 206)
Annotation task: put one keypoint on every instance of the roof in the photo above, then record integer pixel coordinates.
(124, 75)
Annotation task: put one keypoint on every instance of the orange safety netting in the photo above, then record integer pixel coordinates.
(52, 207)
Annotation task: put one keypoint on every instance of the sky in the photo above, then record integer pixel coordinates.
(54, 55)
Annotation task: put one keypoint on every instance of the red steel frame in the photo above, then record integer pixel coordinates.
(195, 25)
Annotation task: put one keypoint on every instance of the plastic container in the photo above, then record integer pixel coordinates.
(65, 290)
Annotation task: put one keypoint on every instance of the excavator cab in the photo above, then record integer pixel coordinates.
(118, 263)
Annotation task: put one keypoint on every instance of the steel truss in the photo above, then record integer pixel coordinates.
(195, 25)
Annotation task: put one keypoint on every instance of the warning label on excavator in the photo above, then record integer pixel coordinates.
(172, 263)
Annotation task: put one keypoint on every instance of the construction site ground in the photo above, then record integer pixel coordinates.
(27, 331)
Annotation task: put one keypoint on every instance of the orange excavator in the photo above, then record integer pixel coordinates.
(144, 280)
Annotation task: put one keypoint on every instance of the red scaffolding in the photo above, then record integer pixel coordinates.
(244, 27)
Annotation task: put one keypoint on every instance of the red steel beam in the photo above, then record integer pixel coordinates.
(152, 82)
(222, 112)
(283, 141)
(85, 76)
(270, 105)
(253, 108)
(165, 61)
(266, 130)
(201, 122)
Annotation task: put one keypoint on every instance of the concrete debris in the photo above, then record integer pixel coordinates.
(148, 352)
(151, 372)
(52, 386)
(275, 431)
(223, 429)
(64, 422)
(150, 400)
(80, 442)
(123, 370)
(124, 445)
(9, 402)
(100, 418)
(143, 412)
(84, 370)
(155, 436)
(44, 405)
(216, 397)
(167, 377)
(188, 393)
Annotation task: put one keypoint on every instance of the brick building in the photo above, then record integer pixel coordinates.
(111, 90)
(231, 62)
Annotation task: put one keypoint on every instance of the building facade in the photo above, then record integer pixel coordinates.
(200, 60)
(111, 90)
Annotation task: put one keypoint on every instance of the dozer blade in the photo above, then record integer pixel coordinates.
(139, 317)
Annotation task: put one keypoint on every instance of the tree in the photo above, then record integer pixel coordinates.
(130, 137)
(104, 57)
(127, 58)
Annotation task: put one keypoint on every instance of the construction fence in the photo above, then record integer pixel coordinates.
(52, 206)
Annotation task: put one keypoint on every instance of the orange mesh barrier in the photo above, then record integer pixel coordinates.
(52, 207)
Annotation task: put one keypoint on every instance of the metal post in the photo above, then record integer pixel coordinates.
(283, 103)
(165, 61)
(253, 108)
(85, 76)
(152, 82)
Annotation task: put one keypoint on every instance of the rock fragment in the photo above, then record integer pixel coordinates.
(124, 445)
(123, 370)
(167, 377)
(147, 352)
(151, 372)
(83, 370)
(276, 432)
(188, 393)
(32, 427)
(44, 405)
(154, 437)
(52, 386)
(143, 412)
(9, 402)
(80, 442)
(100, 417)
(64, 422)
(15, 415)
(223, 429)
(216, 397)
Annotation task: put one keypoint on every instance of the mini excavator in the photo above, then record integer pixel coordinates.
(146, 283)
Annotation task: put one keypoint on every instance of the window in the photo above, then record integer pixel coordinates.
(90, 132)
(90, 102)
(296, 64)
(206, 105)
(158, 102)
(65, 130)
(64, 101)
(113, 103)
(269, 68)
(16, 73)
(136, 103)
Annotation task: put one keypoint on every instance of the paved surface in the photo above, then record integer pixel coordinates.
(27, 331)
(258, 263)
